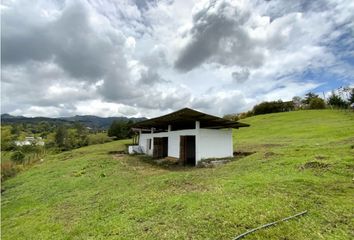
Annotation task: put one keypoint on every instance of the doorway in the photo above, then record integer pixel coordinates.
(160, 147)
(187, 150)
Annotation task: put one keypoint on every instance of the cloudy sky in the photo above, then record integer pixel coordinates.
(150, 57)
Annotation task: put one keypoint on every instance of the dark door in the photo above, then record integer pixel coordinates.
(187, 150)
(160, 147)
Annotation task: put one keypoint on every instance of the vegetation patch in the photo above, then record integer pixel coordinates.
(320, 157)
(79, 173)
(241, 154)
(184, 185)
(8, 169)
(269, 154)
(212, 162)
(315, 165)
(117, 152)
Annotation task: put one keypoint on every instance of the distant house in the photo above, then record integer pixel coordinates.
(187, 135)
(30, 141)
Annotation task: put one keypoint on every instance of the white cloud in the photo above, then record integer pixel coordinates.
(145, 58)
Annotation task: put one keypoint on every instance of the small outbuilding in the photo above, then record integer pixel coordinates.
(187, 135)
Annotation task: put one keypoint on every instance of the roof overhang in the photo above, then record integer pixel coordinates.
(185, 118)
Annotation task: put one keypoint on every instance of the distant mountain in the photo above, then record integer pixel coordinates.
(99, 122)
(86, 120)
(7, 118)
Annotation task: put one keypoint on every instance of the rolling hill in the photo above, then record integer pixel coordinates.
(303, 160)
(86, 120)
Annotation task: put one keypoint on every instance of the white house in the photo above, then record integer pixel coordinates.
(188, 135)
(30, 141)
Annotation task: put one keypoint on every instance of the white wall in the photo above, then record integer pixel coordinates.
(215, 143)
(173, 140)
(210, 143)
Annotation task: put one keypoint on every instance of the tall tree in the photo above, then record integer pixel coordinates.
(297, 102)
(61, 136)
(336, 101)
(120, 129)
(308, 97)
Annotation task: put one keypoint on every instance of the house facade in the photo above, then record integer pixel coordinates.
(187, 135)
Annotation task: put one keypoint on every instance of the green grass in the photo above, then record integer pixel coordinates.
(304, 161)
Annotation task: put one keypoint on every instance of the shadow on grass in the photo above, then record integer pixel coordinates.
(165, 163)
(172, 164)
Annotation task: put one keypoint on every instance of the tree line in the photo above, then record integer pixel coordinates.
(342, 99)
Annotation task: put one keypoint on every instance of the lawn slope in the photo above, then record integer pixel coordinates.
(304, 161)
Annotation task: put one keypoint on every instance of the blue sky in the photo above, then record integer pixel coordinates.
(149, 57)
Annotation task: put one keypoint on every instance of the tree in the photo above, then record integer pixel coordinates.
(6, 138)
(317, 103)
(336, 101)
(231, 117)
(120, 129)
(273, 107)
(82, 134)
(297, 102)
(61, 136)
(351, 96)
(308, 97)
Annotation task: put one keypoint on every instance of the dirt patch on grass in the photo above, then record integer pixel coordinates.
(269, 154)
(258, 147)
(119, 156)
(315, 165)
(184, 186)
(320, 157)
(350, 166)
(269, 145)
(345, 141)
(117, 152)
(168, 163)
(66, 213)
(241, 154)
(139, 164)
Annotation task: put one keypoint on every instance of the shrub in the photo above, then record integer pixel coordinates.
(317, 103)
(231, 117)
(98, 138)
(18, 157)
(336, 101)
(308, 97)
(273, 107)
(120, 129)
(8, 169)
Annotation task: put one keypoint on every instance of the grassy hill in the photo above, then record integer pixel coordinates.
(304, 161)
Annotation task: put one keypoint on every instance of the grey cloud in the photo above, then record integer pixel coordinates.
(155, 58)
(158, 99)
(150, 77)
(240, 76)
(144, 4)
(218, 36)
(67, 51)
(69, 40)
(226, 102)
(276, 8)
(29, 85)
(117, 85)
